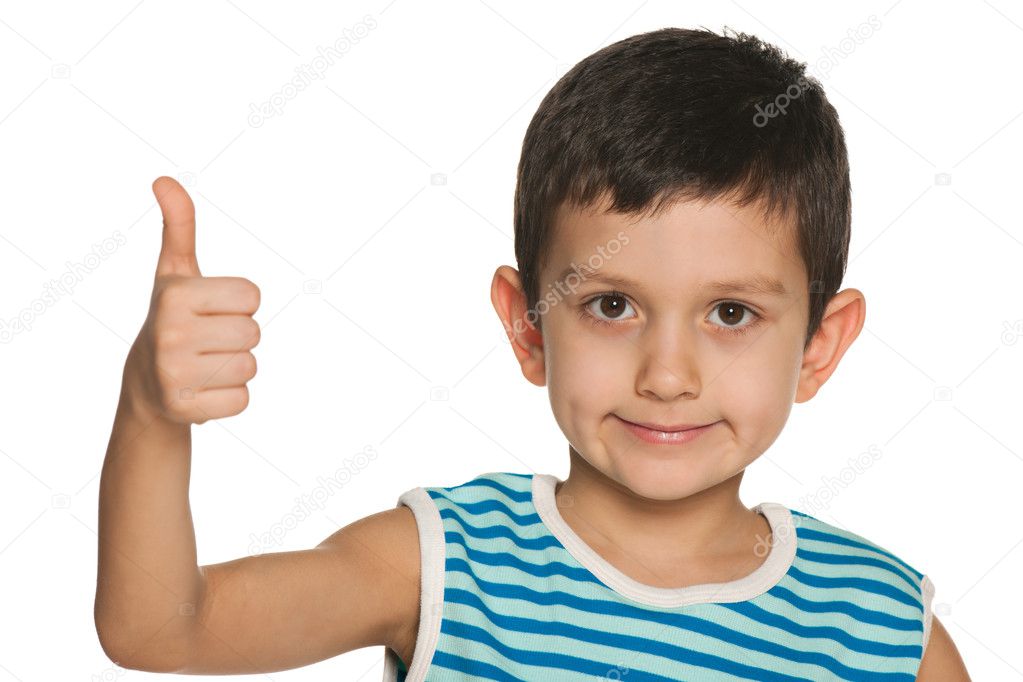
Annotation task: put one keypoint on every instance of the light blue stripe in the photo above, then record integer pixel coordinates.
(811, 534)
(848, 608)
(865, 584)
(865, 646)
(847, 559)
(600, 670)
(485, 506)
(494, 531)
(516, 495)
(508, 559)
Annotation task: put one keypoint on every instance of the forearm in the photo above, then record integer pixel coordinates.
(149, 583)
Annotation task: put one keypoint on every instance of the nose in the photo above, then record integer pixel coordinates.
(669, 368)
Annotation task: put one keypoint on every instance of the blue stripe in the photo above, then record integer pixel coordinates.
(500, 531)
(516, 495)
(631, 643)
(845, 559)
(507, 559)
(550, 660)
(601, 606)
(865, 584)
(477, 669)
(485, 506)
(485, 671)
(811, 534)
(865, 646)
(848, 608)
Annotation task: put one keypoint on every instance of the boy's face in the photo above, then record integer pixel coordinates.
(672, 352)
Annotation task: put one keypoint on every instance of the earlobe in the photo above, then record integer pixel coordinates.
(509, 301)
(843, 320)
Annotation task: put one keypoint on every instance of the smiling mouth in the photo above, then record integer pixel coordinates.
(664, 437)
(665, 429)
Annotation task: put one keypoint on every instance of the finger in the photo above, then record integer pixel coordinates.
(223, 370)
(225, 333)
(177, 251)
(220, 402)
(223, 295)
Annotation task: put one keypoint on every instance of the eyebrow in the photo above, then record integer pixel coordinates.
(752, 284)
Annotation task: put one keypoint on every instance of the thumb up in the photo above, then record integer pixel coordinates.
(191, 360)
(177, 254)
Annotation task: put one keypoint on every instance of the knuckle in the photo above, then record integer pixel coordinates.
(168, 338)
(172, 295)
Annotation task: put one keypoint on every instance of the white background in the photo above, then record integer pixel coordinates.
(400, 348)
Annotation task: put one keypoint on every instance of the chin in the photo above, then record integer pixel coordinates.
(665, 481)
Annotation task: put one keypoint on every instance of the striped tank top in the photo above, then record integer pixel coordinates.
(510, 592)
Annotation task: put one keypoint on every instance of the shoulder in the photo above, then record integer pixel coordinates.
(412, 537)
(387, 545)
(941, 661)
(824, 543)
(894, 595)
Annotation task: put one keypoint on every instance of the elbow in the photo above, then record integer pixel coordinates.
(147, 654)
(115, 648)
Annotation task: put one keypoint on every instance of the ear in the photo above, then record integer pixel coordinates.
(509, 301)
(843, 320)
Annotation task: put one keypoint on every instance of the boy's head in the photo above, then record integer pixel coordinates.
(670, 161)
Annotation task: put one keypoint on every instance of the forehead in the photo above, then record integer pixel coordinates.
(687, 245)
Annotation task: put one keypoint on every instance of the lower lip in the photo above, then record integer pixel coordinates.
(665, 437)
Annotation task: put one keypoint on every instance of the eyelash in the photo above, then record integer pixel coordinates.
(585, 313)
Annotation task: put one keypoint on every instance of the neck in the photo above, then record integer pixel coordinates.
(710, 526)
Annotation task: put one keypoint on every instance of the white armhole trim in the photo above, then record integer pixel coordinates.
(927, 595)
(431, 594)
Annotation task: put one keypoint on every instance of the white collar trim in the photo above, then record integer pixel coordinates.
(765, 576)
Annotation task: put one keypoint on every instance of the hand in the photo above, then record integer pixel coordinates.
(191, 360)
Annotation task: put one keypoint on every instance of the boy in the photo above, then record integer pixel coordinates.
(682, 221)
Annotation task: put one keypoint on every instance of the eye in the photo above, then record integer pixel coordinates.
(734, 310)
(614, 302)
(611, 304)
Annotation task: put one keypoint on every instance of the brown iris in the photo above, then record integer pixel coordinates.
(607, 308)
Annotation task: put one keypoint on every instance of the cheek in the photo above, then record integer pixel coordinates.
(755, 392)
(585, 374)
(590, 364)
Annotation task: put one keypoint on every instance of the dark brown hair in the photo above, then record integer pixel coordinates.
(689, 114)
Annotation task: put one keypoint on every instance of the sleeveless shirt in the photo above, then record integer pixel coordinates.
(510, 592)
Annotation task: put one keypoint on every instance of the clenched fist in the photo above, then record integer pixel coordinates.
(192, 359)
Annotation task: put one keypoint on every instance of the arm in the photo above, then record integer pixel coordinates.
(147, 577)
(157, 611)
(941, 661)
(155, 608)
(357, 588)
